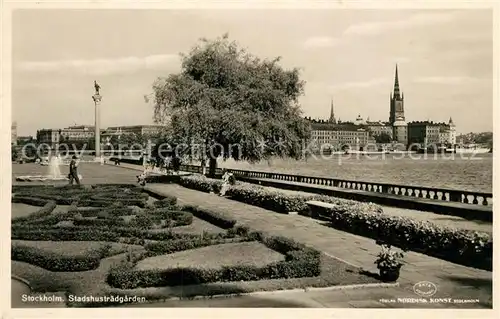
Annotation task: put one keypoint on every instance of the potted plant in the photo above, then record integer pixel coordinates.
(389, 263)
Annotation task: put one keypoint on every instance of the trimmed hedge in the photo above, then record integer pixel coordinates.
(275, 200)
(172, 246)
(168, 201)
(43, 212)
(28, 200)
(142, 221)
(63, 234)
(96, 196)
(297, 264)
(48, 220)
(173, 218)
(210, 216)
(98, 222)
(55, 262)
(109, 211)
(110, 202)
(470, 248)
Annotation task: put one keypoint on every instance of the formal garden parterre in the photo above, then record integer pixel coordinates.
(118, 240)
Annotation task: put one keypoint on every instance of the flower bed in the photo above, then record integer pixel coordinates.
(465, 247)
(275, 200)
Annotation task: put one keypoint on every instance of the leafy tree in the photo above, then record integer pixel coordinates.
(382, 138)
(231, 104)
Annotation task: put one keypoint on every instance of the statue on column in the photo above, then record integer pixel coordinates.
(97, 87)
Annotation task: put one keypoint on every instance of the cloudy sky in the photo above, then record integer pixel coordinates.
(444, 58)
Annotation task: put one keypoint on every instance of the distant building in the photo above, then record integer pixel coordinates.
(72, 134)
(379, 128)
(396, 128)
(397, 112)
(13, 133)
(136, 129)
(425, 132)
(328, 135)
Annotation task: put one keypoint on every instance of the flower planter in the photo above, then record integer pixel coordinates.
(389, 274)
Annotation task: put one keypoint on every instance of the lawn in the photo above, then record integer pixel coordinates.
(197, 227)
(22, 210)
(232, 254)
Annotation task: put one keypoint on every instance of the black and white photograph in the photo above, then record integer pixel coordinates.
(250, 157)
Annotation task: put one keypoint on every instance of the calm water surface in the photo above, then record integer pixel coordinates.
(473, 173)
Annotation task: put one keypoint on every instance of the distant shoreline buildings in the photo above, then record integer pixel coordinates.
(359, 133)
(83, 133)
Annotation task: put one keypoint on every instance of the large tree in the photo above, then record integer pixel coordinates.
(228, 103)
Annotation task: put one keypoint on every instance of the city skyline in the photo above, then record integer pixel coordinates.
(444, 59)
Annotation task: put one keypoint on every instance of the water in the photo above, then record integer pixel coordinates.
(54, 169)
(472, 173)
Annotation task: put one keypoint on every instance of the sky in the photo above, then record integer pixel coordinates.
(444, 57)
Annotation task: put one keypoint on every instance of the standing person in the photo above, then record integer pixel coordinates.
(227, 180)
(73, 171)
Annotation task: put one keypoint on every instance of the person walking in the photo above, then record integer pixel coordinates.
(73, 171)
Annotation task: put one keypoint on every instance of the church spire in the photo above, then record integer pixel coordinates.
(396, 83)
(332, 113)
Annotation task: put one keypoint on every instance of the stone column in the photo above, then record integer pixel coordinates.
(97, 101)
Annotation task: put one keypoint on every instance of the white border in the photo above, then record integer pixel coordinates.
(5, 167)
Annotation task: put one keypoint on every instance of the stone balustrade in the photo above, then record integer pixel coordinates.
(451, 195)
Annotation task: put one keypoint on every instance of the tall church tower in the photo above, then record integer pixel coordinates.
(397, 102)
(332, 114)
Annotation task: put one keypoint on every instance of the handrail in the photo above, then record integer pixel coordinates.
(443, 194)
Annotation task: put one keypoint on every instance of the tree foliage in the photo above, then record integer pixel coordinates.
(232, 104)
(382, 138)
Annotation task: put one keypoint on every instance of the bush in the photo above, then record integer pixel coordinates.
(142, 222)
(300, 262)
(201, 183)
(48, 220)
(99, 222)
(110, 203)
(212, 217)
(168, 201)
(63, 234)
(275, 200)
(55, 262)
(469, 248)
(28, 200)
(172, 218)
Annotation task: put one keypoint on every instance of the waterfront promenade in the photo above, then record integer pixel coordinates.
(440, 219)
(452, 280)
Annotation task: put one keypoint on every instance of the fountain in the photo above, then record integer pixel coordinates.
(54, 172)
